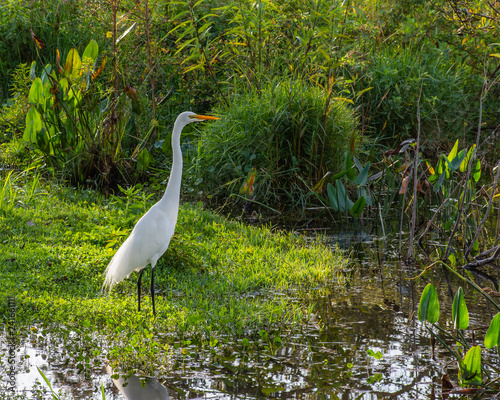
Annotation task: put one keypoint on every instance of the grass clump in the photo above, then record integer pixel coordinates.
(403, 77)
(218, 277)
(290, 132)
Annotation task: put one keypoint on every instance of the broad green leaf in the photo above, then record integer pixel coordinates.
(73, 64)
(36, 92)
(440, 167)
(358, 207)
(453, 152)
(46, 72)
(363, 175)
(470, 367)
(493, 334)
(476, 172)
(448, 165)
(345, 202)
(349, 166)
(465, 162)
(332, 196)
(144, 159)
(457, 161)
(459, 312)
(428, 309)
(91, 51)
(439, 183)
(63, 88)
(33, 125)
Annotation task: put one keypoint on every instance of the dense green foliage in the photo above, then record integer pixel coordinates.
(293, 144)
(381, 60)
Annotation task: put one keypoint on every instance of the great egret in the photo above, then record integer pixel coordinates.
(152, 233)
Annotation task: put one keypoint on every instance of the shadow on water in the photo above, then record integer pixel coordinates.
(364, 342)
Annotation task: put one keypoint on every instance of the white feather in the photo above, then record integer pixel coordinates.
(152, 233)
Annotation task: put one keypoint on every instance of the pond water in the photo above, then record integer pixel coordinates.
(364, 343)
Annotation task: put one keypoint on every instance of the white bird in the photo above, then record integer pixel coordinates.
(152, 233)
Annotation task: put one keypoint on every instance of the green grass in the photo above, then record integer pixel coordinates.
(218, 278)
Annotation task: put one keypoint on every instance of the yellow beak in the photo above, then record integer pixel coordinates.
(203, 117)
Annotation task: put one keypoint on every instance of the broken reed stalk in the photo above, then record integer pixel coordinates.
(413, 221)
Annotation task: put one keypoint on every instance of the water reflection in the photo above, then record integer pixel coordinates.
(135, 388)
(330, 358)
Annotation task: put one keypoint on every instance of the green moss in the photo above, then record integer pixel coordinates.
(217, 278)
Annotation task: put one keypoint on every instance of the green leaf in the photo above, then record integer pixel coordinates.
(453, 152)
(378, 355)
(428, 309)
(46, 72)
(33, 71)
(358, 207)
(91, 51)
(73, 64)
(332, 196)
(470, 368)
(144, 159)
(349, 166)
(475, 246)
(44, 378)
(459, 312)
(465, 162)
(33, 125)
(339, 175)
(452, 258)
(363, 175)
(457, 161)
(366, 194)
(492, 336)
(476, 172)
(36, 92)
(344, 202)
(448, 165)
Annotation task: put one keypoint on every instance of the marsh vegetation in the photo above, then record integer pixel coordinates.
(376, 117)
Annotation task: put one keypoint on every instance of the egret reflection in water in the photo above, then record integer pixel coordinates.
(134, 388)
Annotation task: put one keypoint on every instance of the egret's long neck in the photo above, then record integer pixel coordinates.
(170, 200)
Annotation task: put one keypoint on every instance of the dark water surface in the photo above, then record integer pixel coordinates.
(364, 342)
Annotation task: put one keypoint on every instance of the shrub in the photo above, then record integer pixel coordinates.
(290, 132)
(399, 77)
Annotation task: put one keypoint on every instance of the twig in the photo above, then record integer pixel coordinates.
(413, 221)
(493, 258)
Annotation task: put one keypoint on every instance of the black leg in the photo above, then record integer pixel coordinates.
(139, 290)
(153, 289)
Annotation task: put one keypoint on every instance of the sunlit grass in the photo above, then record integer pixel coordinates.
(217, 278)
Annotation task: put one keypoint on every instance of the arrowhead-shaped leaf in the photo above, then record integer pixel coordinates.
(492, 336)
(428, 309)
(459, 312)
(470, 367)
